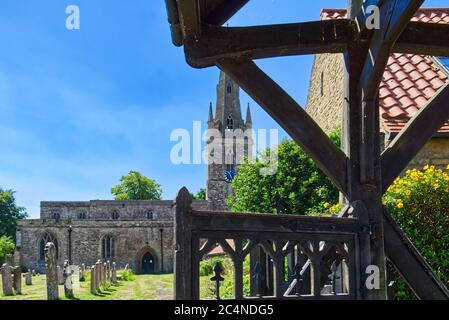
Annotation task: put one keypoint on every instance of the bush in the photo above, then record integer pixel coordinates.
(419, 202)
(127, 275)
(298, 184)
(6, 247)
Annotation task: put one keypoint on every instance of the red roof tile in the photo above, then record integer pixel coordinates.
(409, 81)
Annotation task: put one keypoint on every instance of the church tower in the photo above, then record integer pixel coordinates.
(231, 141)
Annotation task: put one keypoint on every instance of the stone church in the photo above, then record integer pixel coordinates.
(135, 233)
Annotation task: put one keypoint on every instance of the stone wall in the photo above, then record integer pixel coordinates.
(435, 152)
(131, 237)
(133, 234)
(103, 209)
(326, 91)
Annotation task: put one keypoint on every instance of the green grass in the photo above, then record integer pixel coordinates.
(143, 287)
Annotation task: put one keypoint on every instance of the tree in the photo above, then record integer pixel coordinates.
(135, 186)
(200, 195)
(297, 187)
(9, 213)
(6, 247)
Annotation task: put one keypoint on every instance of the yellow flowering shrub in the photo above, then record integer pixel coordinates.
(419, 201)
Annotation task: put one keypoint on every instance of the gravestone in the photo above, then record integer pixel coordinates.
(17, 280)
(28, 278)
(93, 280)
(60, 275)
(98, 274)
(51, 271)
(108, 270)
(82, 272)
(68, 284)
(104, 272)
(114, 273)
(7, 279)
(33, 273)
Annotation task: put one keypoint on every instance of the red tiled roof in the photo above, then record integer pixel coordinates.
(409, 81)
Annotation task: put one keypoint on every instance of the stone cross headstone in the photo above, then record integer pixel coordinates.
(60, 275)
(28, 278)
(51, 272)
(18, 280)
(114, 273)
(68, 285)
(82, 272)
(93, 280)
(7, 279)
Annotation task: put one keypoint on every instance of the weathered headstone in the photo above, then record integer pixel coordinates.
(17, 280)
(82, 273)
(114, 273)
(33, 273)
(104, 272)
(98, 274)
(60, 275)
(93, 280)
(68, 285)
(108, 270)
(28, 278)
(7, 279)
(51, 271)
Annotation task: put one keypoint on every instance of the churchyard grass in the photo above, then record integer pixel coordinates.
(143, 287)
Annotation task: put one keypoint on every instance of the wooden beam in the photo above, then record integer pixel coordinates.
(410, 264)
(217, 12)
(358, 12)
(414, 136)
(394, 17)
(327, 36)
(290, 116)
(424, 38)
(189, 15)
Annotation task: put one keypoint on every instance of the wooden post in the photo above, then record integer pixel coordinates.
(183, 246)
(364, 175)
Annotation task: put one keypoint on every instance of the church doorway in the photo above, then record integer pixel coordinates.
(147, 261)
(147, 266)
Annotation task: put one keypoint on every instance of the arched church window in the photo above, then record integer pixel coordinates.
(229, 88)
(115, 215)
(229, 123)
(82, 216)
(47, 237)
(56, 216)
(149, 215)
(108, 247)
(229, 161)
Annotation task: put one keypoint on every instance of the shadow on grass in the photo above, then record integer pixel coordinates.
(107, 291)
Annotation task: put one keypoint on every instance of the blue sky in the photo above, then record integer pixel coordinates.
(81, 108)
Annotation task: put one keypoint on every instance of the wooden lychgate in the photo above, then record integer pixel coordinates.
(361, 171)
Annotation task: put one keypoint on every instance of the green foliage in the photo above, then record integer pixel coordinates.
(135, 186)
(419, 202)
(127, 275)
(200, 195)
(9, 213)
(301, 185)
(6, 247)
(227, 286)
